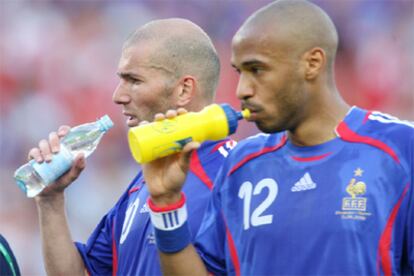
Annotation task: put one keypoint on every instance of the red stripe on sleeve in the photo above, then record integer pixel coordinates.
(197, 169)
(233, 252)
(114, 251)
(232, 249)
(366, 117)
(348, 135)
(133, 189)
(386, 237)
(255, 154)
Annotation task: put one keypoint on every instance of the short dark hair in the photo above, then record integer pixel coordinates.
(186, 50)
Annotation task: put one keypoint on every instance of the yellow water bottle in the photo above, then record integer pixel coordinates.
(161, 138)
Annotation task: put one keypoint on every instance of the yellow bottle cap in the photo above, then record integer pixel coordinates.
(246, 113)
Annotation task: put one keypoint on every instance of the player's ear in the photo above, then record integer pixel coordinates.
(185, 90)
(315, 62)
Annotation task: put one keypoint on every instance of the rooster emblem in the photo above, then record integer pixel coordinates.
(355, 189)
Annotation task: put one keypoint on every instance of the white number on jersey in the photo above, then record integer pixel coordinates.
(246, 191)
(129, 218)
(228, 146)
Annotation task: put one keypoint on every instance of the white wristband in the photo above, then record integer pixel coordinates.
(169, 217)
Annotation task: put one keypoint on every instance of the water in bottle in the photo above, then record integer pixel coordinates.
(33, 177)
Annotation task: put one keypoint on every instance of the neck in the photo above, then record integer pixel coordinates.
(197, 105)
(321, 118)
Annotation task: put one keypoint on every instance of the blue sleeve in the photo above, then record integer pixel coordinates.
(204, 167)
(402, 138)
(409, 233)
(211, 240)
(197, 196)
(409, 244)
(97, 252)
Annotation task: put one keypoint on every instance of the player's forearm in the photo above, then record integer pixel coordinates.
(60, 254)
(184, 262)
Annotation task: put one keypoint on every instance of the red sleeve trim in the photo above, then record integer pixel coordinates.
(197, 168)
(232, 249)
(133, 189)
(386, 237)
(256, 154)
(366, 118)
(167, 208)
(114, 251)
(349, 135)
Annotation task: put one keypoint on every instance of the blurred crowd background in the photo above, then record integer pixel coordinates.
(58, 63)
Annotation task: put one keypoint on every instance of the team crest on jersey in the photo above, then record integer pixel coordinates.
(354, 206)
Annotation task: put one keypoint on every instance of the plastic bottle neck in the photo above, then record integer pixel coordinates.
(244, 114)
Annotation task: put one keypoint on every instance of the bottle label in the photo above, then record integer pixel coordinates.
(166, 126)
(170, 148)
(61, 162)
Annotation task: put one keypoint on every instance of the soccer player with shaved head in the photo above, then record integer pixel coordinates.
(327, 189)
(165, 64)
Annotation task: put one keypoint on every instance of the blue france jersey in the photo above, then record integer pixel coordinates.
(124, 244)
(345, 207)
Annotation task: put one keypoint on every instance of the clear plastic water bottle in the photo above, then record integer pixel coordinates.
(33, 177)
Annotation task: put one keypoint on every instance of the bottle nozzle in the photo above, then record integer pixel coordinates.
(245, 114)
(234, 116)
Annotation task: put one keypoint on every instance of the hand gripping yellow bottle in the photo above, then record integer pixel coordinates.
(161, 138)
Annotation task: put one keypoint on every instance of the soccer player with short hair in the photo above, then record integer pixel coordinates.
(165, 64)
(327, 190)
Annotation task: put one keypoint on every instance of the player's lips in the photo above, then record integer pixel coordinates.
(253, 116)
(132, 120)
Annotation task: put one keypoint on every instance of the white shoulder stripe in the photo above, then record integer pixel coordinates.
(388, 119)
(258, 135)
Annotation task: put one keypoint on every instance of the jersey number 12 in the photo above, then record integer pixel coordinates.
(246, 192)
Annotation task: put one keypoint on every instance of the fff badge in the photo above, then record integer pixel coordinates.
(354, 206)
